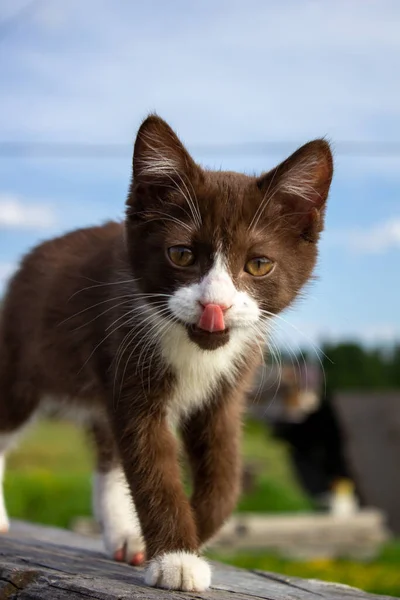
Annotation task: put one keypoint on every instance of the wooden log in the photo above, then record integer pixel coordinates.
(42, 563)
(295, 535)
(306, 535)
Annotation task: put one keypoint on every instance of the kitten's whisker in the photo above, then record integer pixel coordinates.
(113, 307)
(90, 307)
(142, 328)
(275, 353)
(136, 309)
(194, 201)
(263, 203)
(264, 330)
(90, 287)
(130, 336)
(275, 316)
(260, 386)
(317, 350)
(129, 317)
(166, 217)
(164, 328)
(291, 354)
(98, 346)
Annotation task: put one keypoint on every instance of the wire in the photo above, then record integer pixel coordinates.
(59, 150)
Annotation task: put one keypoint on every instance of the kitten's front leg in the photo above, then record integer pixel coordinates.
(150, 457)
(112, 502)
(212, 441)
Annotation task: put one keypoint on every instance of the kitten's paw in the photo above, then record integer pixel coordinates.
(4, 526)
(4, 522)
(125, 547)
(115, 511)
(179, 571)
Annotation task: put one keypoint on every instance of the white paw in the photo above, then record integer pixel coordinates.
(115, 511)
(124, 546)
(179, 571)
(4, 523)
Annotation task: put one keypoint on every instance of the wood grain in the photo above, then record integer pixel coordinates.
(41, 563)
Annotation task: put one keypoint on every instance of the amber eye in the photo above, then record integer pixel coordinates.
(181, 256)
(258, 267)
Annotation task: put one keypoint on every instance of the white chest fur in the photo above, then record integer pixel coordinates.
(198, 372)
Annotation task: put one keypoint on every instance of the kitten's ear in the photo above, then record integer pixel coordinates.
(300, 186)
(159, 158)
(161, 163)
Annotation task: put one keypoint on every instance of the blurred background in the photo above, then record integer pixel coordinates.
(244, 84)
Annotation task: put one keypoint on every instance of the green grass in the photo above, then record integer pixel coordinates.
(378, 576)
(49, 477)
(44, 497)
(276, 489)
(56, 446)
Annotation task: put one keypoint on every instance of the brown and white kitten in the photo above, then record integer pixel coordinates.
(153, 327)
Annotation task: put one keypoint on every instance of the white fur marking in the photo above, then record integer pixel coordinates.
(179, 571)
(216, 287)
(199, 371)
(114, 509)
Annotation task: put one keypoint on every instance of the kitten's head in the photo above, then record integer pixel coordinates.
(222, 250)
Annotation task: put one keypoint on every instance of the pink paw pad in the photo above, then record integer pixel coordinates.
(119, 555)
(136, 559)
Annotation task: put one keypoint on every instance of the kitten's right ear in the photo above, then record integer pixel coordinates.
(160, 162)
(159, 153)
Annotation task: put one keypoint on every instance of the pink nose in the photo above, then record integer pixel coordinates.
(221, 305)
(212, 317)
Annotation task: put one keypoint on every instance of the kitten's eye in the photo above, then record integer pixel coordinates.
(258, 267)
(181, 256)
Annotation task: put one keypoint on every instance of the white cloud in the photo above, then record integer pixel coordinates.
(15, 213)
(376, 239)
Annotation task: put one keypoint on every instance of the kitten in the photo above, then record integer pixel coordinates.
(155, 326)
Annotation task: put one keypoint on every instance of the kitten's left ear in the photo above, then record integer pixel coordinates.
(300, 186)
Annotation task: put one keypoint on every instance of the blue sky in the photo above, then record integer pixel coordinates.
(221, 72)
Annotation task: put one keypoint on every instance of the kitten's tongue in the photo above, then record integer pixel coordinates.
(212, 318)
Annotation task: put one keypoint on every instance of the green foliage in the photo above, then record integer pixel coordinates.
(351, 366)
(48, 476)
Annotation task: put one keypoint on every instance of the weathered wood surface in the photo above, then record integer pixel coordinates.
(38, 563)
(371, 425)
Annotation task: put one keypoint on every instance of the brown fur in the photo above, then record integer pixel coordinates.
(64, 325)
